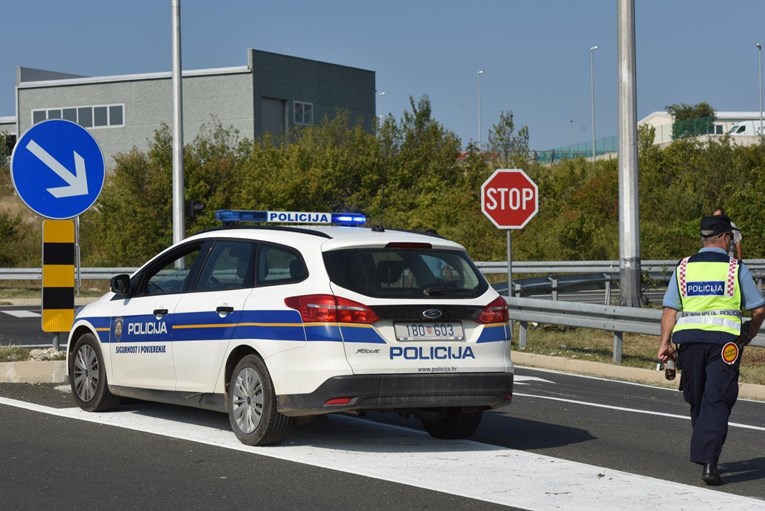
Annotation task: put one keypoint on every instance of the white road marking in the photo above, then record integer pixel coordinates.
(523, 380)
(459, 467)
(632, 410)
(22, 314)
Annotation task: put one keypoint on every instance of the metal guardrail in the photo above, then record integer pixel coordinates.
(554, 284)
(85, 273)
(616, 319)
(654, 268)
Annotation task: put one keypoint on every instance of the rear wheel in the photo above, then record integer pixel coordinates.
(453, 423)
(252, 404)
(87, 376)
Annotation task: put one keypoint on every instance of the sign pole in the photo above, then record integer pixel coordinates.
(509, 263)
(58, 172)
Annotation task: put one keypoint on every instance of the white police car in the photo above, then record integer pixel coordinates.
(268, 323)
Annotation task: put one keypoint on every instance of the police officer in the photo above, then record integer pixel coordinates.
(710, 288)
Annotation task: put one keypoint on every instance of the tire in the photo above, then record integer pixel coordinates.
(453, 424)
(87, 376)
(252, 404)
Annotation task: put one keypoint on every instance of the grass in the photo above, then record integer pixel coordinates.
(24, 289)
(16, 354)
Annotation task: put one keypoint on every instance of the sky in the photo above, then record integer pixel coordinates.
(535, 55)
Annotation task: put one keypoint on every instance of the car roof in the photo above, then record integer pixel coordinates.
(329, 236)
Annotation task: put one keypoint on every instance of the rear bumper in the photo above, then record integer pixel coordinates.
(402, 391)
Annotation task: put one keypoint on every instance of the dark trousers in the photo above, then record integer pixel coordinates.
(710, 386)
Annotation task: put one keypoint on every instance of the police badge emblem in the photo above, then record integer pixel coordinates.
(118, 328)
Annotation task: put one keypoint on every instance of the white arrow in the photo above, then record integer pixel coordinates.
(77, 182)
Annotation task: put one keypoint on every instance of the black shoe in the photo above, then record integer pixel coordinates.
(711, 476)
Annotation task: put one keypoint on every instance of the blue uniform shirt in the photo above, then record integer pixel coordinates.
(751, 297)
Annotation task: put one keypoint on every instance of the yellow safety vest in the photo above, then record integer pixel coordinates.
(711, 298)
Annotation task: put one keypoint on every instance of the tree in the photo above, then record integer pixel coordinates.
(511, 149)
(691, 121)
(5, 149)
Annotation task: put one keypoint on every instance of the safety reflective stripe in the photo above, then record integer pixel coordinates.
(681, 272)
(715, 313)
(695, 320)
(731, 281)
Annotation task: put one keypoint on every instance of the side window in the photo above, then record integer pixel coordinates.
(279, 265)
(171, 274)
(227, 267)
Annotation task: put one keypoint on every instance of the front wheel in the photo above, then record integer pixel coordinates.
(453, 423)
(252, 404)
(87, 376)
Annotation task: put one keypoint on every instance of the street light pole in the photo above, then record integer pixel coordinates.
(380, 115)
(592, 98)
(179, 220)
(571, 139)
(759, 74)
(480, 72)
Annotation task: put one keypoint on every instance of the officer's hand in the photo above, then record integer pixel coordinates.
(666, 352)
(746, 334)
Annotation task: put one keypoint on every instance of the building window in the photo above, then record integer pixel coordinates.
(102, 116)
(303, 112)
(115, 115)
(70, 114)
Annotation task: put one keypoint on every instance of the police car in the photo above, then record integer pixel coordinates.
(271, 322)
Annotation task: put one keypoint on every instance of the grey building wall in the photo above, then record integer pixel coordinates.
(234, 97)
(326, 86)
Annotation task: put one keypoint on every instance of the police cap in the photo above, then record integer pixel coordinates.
(715, 225)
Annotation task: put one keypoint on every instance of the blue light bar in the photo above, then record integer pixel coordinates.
(233, 216)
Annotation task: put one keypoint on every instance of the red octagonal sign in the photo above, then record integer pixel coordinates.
(509, 198)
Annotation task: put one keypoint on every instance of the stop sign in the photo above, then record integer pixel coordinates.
(509, 198)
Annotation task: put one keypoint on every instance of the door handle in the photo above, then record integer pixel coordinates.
(158, 313)
(224, 310)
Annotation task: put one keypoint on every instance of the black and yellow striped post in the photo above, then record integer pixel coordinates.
(58, 275)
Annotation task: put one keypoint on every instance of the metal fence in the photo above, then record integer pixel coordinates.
(606, 145)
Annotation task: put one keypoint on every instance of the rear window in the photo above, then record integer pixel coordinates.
(405, 273)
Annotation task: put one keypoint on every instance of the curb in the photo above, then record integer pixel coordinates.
(33, 371)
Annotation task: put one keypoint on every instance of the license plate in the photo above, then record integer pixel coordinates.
(444, 331)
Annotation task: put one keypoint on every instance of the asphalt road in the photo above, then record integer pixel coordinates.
(609, 426)
(22, 326)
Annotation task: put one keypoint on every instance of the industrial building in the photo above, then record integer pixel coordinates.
(272, 94)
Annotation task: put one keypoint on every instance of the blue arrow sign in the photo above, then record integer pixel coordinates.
(57, 169)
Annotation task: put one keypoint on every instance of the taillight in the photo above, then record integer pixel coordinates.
(330, 309)
(495, 312)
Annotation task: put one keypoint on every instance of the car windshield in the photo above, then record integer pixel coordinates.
(405, 273)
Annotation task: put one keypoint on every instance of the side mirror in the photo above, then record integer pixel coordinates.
(120, 284)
